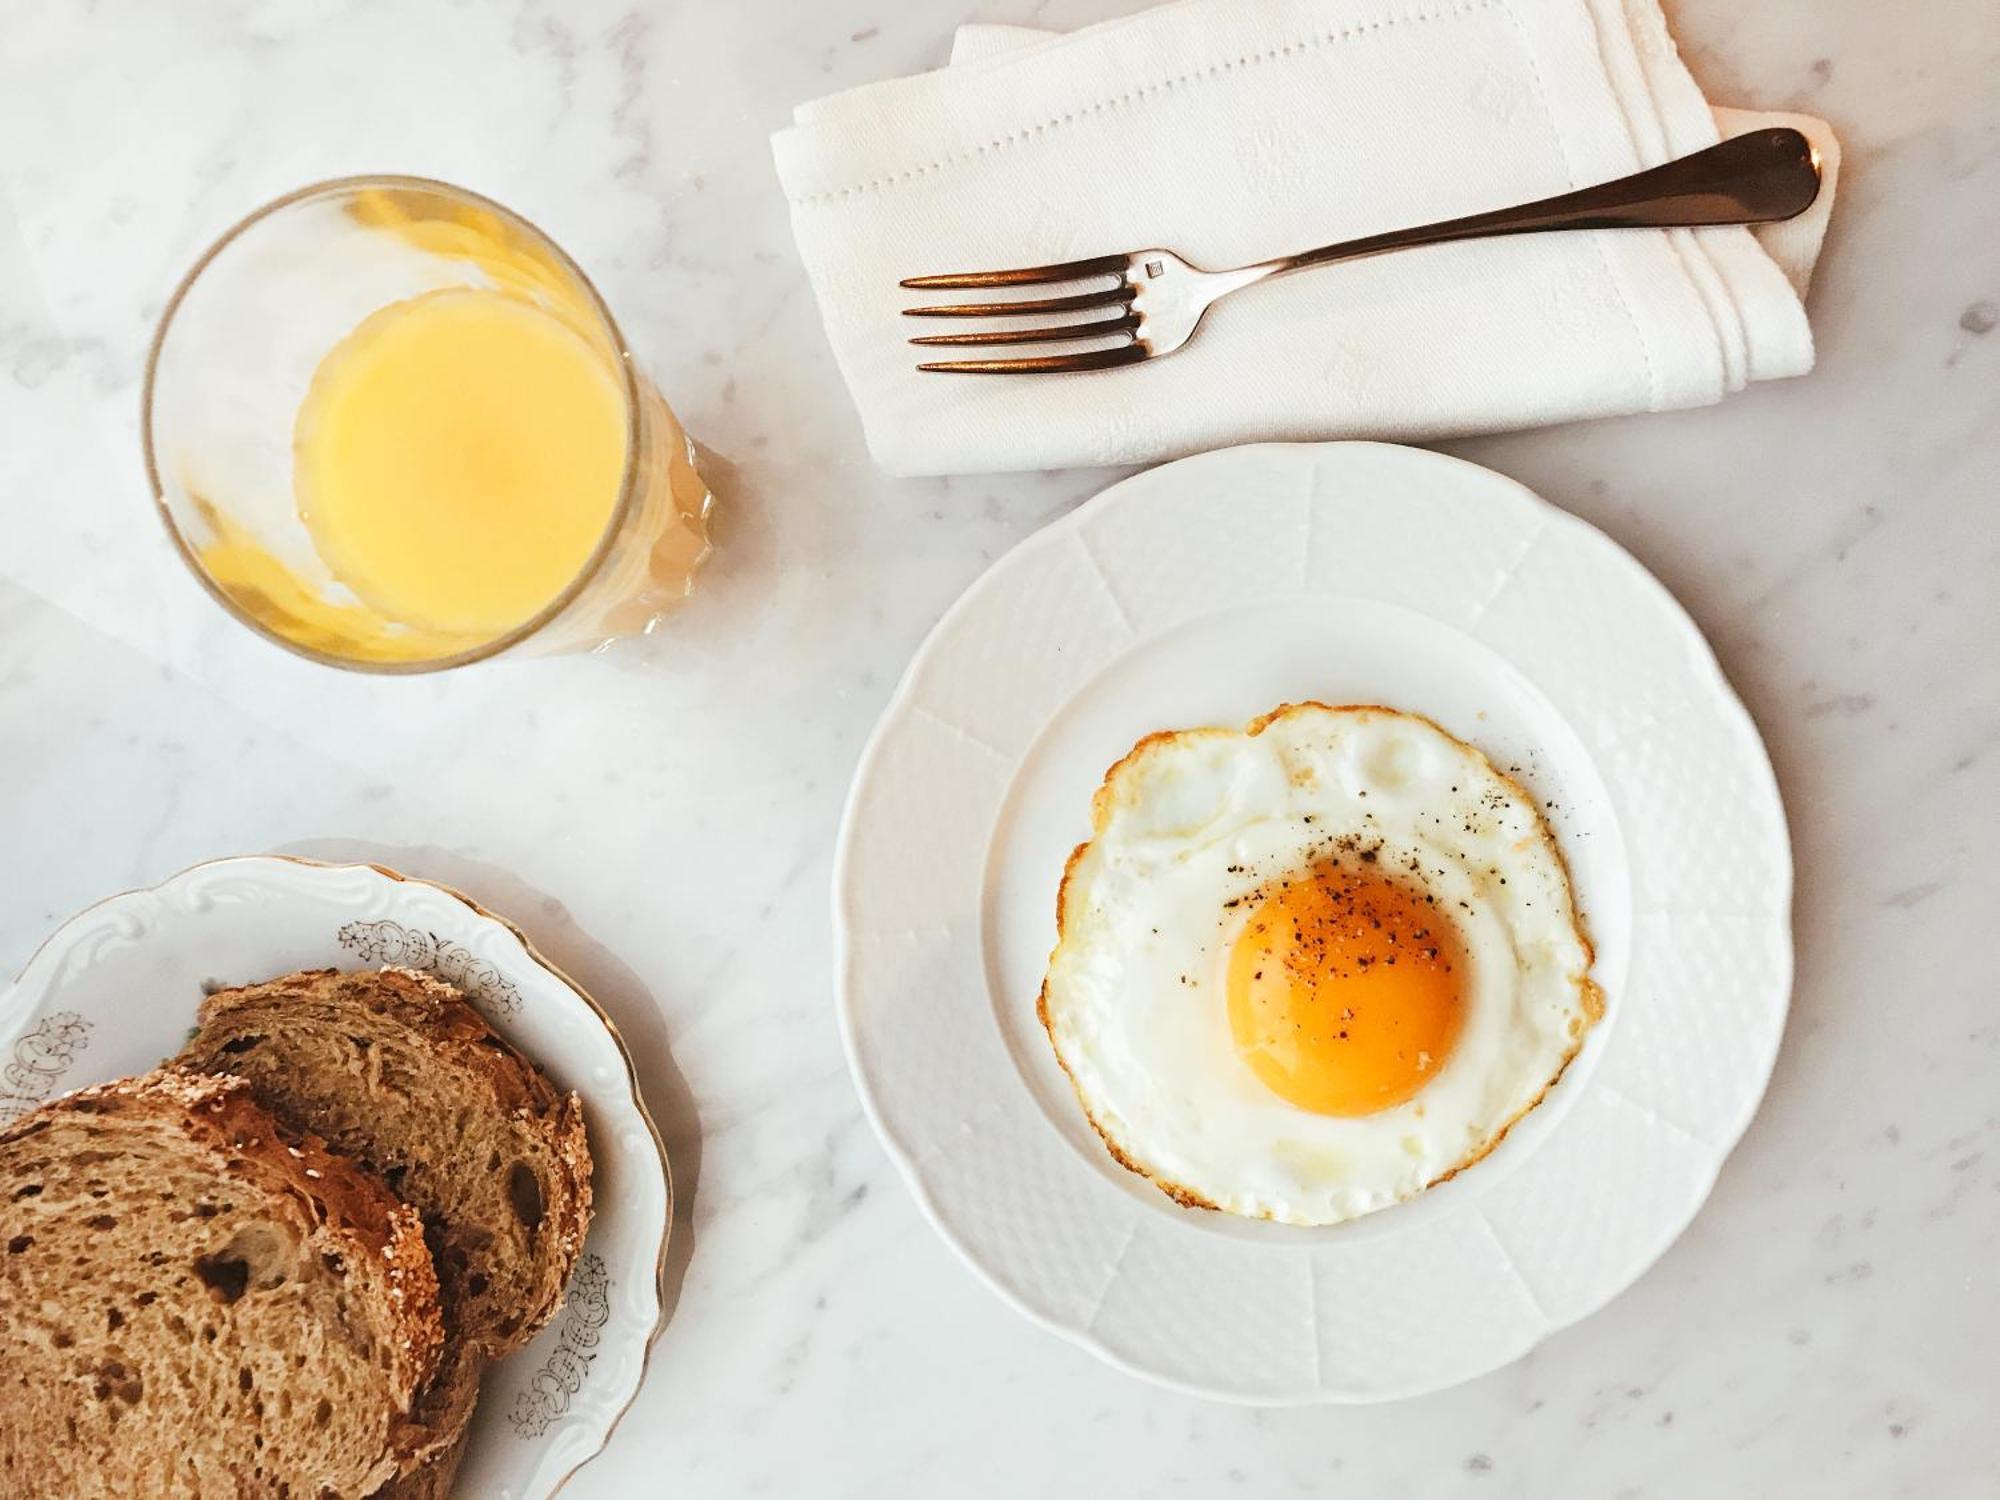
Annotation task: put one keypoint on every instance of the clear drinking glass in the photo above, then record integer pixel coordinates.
(231, 370)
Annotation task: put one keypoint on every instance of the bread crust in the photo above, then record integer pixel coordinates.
(433, 1437)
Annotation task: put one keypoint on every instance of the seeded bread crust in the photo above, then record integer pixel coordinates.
(433, 1481)
(434, 1433)
(160, 1232)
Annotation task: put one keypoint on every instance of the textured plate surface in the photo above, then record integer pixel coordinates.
(114, 992)
(1208, 591)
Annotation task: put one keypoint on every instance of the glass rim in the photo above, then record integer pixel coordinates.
(628, 485)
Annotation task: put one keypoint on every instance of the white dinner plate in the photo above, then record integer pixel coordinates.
(114, 991)
(1208, 592)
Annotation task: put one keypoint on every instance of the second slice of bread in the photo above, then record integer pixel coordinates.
(396, 1069)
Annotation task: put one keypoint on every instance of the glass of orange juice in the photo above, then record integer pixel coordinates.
(393, 427)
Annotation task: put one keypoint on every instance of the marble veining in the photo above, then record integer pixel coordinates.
(661, 817)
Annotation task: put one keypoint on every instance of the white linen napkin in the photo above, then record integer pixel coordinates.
(1233, 130)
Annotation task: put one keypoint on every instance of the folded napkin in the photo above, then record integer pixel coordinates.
(1234, 130)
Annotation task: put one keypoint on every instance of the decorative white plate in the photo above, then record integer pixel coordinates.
(114, 992)
(1207, 592)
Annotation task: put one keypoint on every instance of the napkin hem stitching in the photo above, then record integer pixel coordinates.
(1594, 236)
(1146, 90)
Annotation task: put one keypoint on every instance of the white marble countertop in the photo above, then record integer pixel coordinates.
(662, 816)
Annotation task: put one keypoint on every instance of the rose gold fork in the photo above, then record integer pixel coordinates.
(1160, 298)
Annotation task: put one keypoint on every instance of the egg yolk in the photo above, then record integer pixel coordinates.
(1345, 990)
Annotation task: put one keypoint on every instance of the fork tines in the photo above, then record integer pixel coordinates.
(1068, 270)
(1126, 322)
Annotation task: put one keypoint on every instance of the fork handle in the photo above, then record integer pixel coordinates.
(1748, 179)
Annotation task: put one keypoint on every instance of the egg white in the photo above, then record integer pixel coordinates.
(1189, 828)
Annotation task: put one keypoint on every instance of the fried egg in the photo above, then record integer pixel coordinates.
(1307, 969)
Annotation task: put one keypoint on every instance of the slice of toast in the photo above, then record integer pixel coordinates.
(397, 1069)
(196, 1301)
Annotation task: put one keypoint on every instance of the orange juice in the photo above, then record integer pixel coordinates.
(458, 458)
(393, 427)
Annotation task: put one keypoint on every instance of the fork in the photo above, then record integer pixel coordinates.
(1160, 297)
